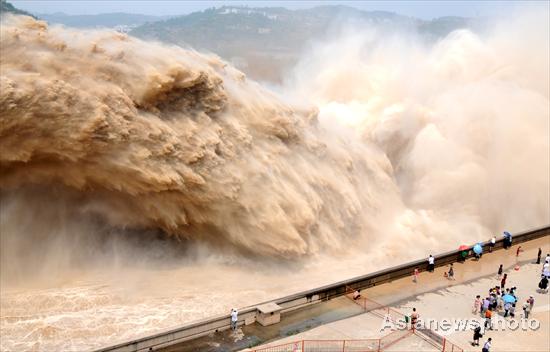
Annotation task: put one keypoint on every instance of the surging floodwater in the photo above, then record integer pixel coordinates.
(146, 186)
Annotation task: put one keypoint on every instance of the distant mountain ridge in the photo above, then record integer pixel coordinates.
(264, 42)
(108, 20)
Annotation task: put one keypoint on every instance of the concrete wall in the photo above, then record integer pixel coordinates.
(302, 299)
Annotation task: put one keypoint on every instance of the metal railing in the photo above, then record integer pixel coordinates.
(363, 345)
(385, 312)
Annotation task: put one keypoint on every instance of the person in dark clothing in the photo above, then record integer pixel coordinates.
(507, 242)
(543, 284)
(538, 255)
(414, 319)
(477, 336)
(499, 270)
(503, 281)
(513, 310)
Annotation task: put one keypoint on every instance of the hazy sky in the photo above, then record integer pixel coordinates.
(420, 9)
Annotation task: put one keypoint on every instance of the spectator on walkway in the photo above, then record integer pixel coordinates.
(415, 275)
(431, 263)
(451, 273)
(543, 284)
(519, 250)
(486, 304)
(531, 301)
(503, 281)
(539, 253)
(499, 270)
(234, 318)
(507, 240)
(477, 336)
(507, 308)
(356, 295)
(547, 258)
(513, 310)
(492, 244)
(487, 346)
(488, 316)
(526, 309)
(477, 305)
(414, 318)
(494, 302)
(500, 303)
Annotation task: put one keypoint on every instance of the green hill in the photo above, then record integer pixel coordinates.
(6, 7)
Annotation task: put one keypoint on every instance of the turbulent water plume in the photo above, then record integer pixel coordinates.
(147, 136)
(464, 122)
(144, 136)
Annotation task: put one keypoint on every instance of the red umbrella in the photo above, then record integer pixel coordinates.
(463, 248)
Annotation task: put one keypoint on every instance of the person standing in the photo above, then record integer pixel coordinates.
(526, 309)
(507, 240)
(500, 303)
(414, 318)
(503, 281)
(487, 346)
(477, 305)
(486, 304)
(531, 301)
(507, 307)
(539, 253)
(494, 302)
(513, 310)
(234, 318)
(492, 244)
(431, 263)
(415, 275)
(517, 252)
(477, 336)
(451, 273)
(543, 284)
(499, 270)
(488, 316)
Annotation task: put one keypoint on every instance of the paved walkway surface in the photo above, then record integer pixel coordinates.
(434, 296)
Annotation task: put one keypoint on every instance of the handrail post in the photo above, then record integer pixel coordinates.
(443, 350)
(344, 346)
(302, 345)
(379, 344)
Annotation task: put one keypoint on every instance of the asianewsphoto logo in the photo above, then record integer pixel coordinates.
(447, 326)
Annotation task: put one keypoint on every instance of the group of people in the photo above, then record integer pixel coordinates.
(499, 300)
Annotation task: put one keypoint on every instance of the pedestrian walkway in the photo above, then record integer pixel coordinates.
(437, 297)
